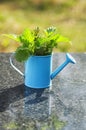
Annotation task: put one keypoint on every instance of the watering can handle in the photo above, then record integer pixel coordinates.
(11, 62)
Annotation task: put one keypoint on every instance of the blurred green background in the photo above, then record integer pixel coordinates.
(69, 16)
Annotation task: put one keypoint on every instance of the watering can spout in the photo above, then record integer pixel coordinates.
(69, 59)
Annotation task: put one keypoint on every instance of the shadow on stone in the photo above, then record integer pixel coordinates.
(34, 96)
(10, 95)
(36, 100)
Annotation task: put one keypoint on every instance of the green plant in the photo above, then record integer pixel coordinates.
(37, 42)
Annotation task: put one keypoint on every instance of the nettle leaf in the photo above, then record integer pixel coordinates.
(50, 31)
(27, 36)
(37, 42)
(62, 39)
(36, 31)
(12, 36)
(22, 54)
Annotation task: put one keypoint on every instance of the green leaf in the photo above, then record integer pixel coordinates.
(22, 54)
(27, 36)
(50, 30)
(37, 42)
(62, 39)
(12, 36)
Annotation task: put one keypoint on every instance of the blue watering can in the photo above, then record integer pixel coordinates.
(38, 70)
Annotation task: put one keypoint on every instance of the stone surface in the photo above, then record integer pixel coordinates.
(23, 108)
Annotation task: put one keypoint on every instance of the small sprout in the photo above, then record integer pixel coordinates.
(51, 29)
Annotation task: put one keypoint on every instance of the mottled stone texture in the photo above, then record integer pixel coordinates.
(20, 105)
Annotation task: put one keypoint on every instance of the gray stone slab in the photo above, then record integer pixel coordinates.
(21, 107)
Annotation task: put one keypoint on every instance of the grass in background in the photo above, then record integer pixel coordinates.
(68, 16)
